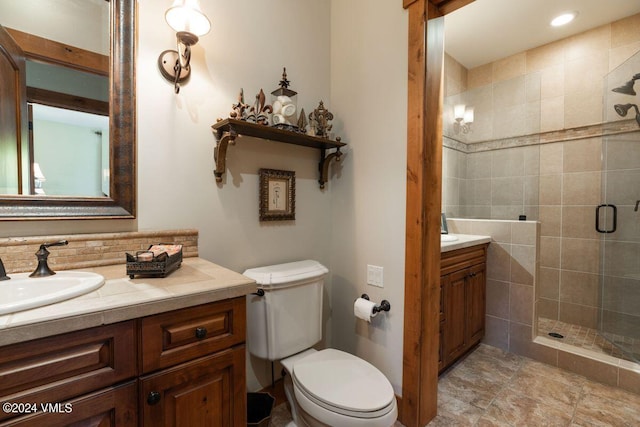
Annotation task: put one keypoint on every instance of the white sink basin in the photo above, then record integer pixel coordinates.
(23, 292)
(448, 238)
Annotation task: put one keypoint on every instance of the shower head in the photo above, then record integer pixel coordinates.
(622, 110)
(627, 88)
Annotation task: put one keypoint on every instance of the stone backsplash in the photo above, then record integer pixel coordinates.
(90, 250)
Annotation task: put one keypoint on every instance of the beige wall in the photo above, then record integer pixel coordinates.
(369, 91)
(333, 52)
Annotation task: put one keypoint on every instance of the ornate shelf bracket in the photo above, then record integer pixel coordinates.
(220, 152)
(228, 130)
(323, 166)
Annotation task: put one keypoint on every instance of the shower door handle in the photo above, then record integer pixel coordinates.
(615, 218)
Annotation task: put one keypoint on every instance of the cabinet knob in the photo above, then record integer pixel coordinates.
(201, 332)
(153, 398)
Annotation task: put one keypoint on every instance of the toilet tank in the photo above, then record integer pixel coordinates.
(288, 318)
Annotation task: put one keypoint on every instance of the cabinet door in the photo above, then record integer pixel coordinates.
(209, 391)
(476, 300)
(454, 333)
(115, 406)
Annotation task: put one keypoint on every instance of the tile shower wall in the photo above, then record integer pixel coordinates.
(498, 184)
(570, 190)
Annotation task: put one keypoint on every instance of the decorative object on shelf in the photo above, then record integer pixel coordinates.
(259, 112)
(463, 116)
(302, 122)
(189, 22)
(277, 195)
(320, 121)
(284, 101)
(239, 110)
(227, 132)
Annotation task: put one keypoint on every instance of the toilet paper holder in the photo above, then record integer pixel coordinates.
(384, 304)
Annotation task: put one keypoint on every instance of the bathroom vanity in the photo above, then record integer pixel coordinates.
(462, 296)
(146, 352)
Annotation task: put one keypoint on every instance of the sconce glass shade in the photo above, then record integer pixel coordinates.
(186, 15)
(37, 172)
(458, 111)
(468, 115)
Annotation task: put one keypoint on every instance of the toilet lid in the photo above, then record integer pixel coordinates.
(342, 381)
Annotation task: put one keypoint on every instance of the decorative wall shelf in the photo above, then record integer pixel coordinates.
(228, 130)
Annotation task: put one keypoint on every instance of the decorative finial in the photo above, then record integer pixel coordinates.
(302, 121)
(284, 83)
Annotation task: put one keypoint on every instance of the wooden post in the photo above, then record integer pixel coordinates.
(424, 188)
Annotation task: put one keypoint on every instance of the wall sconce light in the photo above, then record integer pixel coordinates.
(38, 179)
(189, 23)
(463, 116)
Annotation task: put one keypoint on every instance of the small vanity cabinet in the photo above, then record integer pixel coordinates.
(462, 302)
(179, 367)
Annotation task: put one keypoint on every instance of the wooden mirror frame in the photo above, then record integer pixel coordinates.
(121, 204)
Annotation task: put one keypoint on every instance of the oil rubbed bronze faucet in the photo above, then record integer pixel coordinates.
(43, 270)
(3, 272)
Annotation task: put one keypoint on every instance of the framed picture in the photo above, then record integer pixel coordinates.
(277, 195)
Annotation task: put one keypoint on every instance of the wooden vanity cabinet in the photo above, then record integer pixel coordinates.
(462, 302)
(183, 367)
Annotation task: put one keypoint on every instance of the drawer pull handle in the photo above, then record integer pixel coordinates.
(201, 332)
(153, 398)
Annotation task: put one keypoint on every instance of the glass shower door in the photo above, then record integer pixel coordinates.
(618, 217)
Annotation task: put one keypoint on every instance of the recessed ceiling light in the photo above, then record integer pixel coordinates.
(563, 19)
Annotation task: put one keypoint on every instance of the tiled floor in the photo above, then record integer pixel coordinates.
(493, 388)
(580, 336)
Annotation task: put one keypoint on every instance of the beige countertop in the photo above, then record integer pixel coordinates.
(196, 282)
(464, 241)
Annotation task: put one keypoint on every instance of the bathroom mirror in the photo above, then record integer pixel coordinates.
(118, 197)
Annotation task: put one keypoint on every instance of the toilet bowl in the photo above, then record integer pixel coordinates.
(324, 388)
(333, 388)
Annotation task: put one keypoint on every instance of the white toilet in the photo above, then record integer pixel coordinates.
(324, 388)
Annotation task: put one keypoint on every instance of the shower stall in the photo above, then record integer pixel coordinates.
(618, 215)
(579, 177)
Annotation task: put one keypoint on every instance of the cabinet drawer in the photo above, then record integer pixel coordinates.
(181, 335)
(114, 406)
(57, 368)
(462, 258)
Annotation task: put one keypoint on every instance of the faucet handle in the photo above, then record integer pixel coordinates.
(58, 243)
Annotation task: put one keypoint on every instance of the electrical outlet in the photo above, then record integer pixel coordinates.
(375, 276)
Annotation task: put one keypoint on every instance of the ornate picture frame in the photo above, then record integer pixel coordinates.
(277, 195)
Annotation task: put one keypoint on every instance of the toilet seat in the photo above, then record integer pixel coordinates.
(344, 384)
